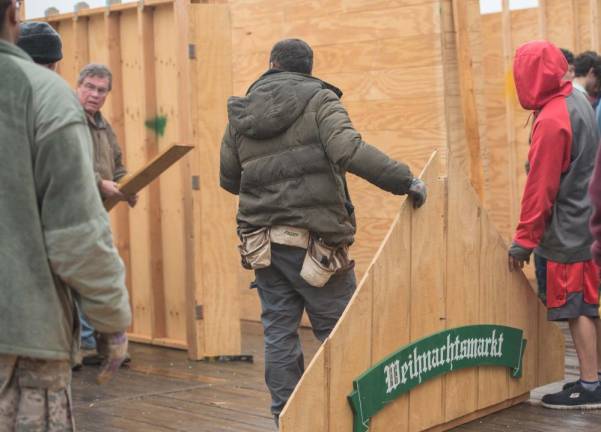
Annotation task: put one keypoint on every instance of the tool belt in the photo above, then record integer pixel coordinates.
(321, 261)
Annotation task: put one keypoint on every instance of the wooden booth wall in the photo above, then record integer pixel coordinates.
(171, 68)
(439, 267)
(571, 24)
(396, 62)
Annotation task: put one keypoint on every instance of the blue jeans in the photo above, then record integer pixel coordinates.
(87, 334)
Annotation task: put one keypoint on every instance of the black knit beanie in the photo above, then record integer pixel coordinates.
(40, 41)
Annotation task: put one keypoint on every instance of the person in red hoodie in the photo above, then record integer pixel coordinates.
(556, 209)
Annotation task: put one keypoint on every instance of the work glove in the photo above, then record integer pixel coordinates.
(517, 256)
(112, 347)
(417, 192)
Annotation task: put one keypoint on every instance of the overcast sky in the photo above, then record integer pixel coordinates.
(36, 8)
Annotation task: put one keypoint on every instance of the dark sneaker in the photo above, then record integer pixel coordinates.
(569, 385)
(575, 397)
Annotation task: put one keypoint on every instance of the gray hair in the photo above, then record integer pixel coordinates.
(95, 70)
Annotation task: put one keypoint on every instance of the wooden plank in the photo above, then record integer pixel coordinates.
(391, 310)
(463, 284)
(135, 182)
(524, 315)
(388, 83)
(350, 354)
(214, 210)
(480, 413)
(114, 113)
(561, 24)
(184, 132)
(427, 279)
(509, 113)
(465, 57)
(141, 250)
(80, 32)
(344, 27)
(175, 266)
(97, 40)
(492, 381)
(309, 396)
(351, 57)
(67, 64)
(426, 113)
(551, 349)
(145, 18)
(595, 8)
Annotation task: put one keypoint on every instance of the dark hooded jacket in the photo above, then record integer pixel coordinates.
(286, 149)
(555, 206)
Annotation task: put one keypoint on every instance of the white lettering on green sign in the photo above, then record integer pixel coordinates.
(437, 354)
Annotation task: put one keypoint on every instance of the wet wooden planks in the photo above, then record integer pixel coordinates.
(163, 391)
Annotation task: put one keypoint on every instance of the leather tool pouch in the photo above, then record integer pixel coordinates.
(323, 261)
(255, 249)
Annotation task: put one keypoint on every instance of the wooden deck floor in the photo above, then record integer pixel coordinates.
(163, 391)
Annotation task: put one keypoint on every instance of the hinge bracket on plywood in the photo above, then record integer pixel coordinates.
(199, 312)
(192, 51)
(196, 182)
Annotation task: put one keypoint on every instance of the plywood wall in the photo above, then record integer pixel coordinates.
(572, 24)
(439, 267)
(183, 288)
(387, 57)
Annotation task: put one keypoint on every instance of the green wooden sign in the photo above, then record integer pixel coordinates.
(427, 358)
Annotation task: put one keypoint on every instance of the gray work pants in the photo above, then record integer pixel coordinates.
(284, 295)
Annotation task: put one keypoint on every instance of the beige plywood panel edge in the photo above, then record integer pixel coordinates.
(462, 283)
(217, 281)
(428, 246)
(391, 310)
(309, 396)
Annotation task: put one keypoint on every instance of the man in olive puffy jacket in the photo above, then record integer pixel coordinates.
(54, 234)
(285, 152)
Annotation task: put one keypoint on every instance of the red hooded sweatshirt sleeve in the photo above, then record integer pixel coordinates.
(538, 71)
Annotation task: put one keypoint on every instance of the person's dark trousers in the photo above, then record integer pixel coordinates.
(540, 270)
(284, 295)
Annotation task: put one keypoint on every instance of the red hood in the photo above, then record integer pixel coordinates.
(538, 70)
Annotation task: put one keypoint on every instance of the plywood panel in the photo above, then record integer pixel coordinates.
(67, 65)
(134, 117)
(427, 279)
(113, 112)
(212, 78)
(524, 315)
(391, 311)
(403, 82)
(561, 23)
(351, 57)
(350, 354)
(463, 284)
(310, 396)
(172, 208)
(493, 307)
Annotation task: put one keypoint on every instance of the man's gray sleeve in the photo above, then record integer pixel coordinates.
(230, 169)
(76, 227)
(346, 149)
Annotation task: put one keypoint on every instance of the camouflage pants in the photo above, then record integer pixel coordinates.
(35, 395)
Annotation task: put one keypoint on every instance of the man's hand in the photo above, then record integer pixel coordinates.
(516, 263)
(517, 256)
(417, 192)
(132, 200)
(113, 348)
(110, 189)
